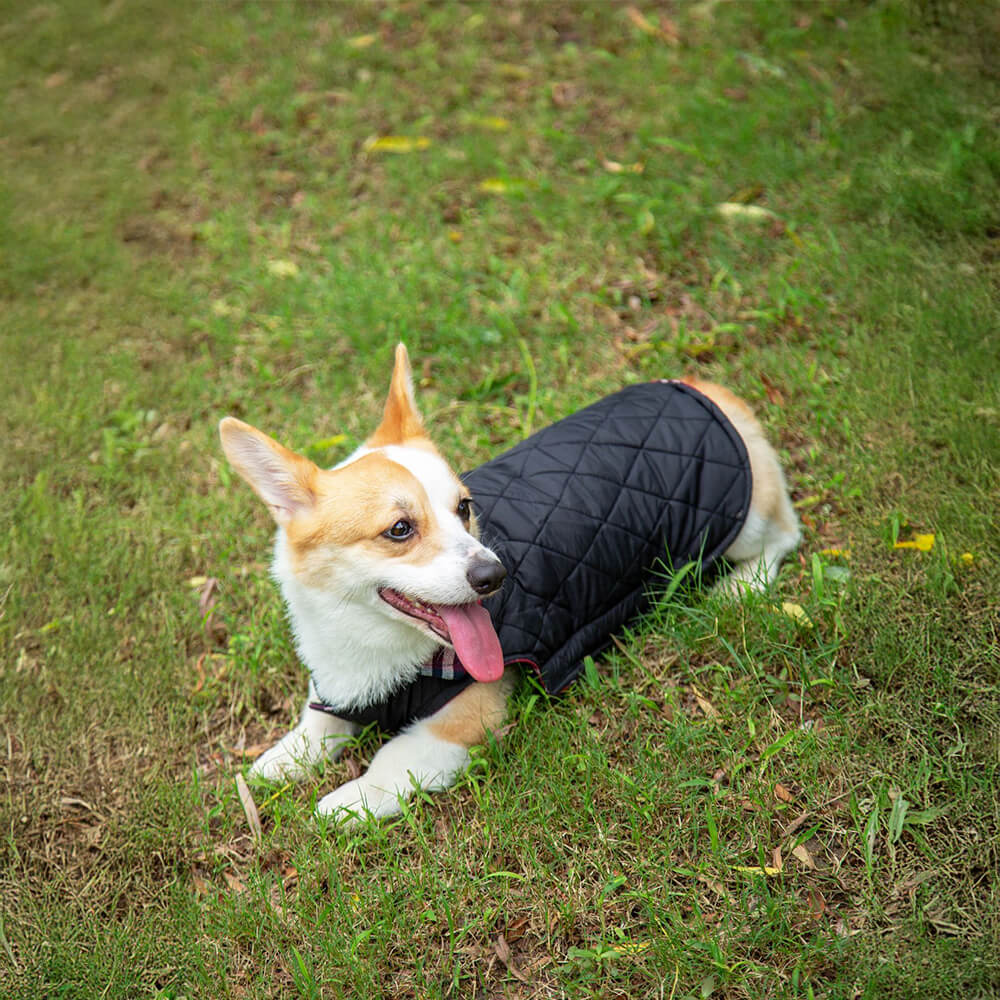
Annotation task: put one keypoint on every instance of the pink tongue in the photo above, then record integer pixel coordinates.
(474, 639)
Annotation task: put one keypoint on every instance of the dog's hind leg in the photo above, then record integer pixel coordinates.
(771, 529)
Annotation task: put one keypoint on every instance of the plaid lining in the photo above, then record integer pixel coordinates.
(444, 665)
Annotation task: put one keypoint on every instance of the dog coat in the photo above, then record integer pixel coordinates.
(586, 515)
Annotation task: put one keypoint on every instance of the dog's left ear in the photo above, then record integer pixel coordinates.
(401, 419)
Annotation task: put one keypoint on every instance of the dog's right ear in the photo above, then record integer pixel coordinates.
(286, 482)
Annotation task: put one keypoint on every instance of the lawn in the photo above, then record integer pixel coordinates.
(226, 208)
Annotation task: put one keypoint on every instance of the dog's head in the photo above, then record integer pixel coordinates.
(391, 527)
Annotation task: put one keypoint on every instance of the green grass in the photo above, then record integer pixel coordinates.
(191, 225)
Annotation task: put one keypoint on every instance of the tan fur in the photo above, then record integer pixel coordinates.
(479, 709)
(354, 506)
(301, 473)
(770, 498)
(401, 421)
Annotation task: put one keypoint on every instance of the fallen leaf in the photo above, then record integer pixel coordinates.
(816, 903)
(631, 948)
(666, 30)
(200, 886)
(750, 213)
(836, 553)
(800, 853)
(707, 708)
(502, 950)
(614, 167)
(362, 41)
(797, 612)
(774, 395)
(492, 122)
(330, 442)
(283, 268)
(922, 543)
(783, 794)
(757, 870)
(503, 185)
(395, 144)
(234, 883)
(206, 595)
(249, 808)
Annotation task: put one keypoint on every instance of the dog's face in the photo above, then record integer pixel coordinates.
(391, 527)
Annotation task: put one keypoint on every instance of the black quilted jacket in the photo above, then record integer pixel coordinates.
(584, 515)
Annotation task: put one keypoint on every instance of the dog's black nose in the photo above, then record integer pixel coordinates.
(485, 575)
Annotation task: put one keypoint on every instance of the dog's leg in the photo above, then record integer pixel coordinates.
(318, 736)
(758, 552)
(431, 754)
(771, 529)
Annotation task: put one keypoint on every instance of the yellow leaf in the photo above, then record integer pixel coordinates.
(455, 235)
(362, 41)
(503, 185)
(222, 308)
(749, 213)
(630, 948)
(836, 553)
(493, 122)
(757, 870)
(614, 167)
(797, 612)
(395, 144)
(330, 442)
(922, 543)
(283, 268)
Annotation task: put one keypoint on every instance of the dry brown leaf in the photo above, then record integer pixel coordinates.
(774, 396)
(816, 903)
(715, 885)
(666, 30)
(249, 808)
(502, 950)
(707, 708)
(782, 794)
(234, 883)
(200, 885)
(801, 854)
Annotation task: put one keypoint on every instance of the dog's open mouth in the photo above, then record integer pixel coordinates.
(466, 627)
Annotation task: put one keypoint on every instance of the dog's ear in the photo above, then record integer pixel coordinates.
(283, 480)
(401, 419)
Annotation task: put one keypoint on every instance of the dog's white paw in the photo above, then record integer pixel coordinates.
(357, 799)
(282, 763)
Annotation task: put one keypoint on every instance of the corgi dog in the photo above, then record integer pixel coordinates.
(382, 569)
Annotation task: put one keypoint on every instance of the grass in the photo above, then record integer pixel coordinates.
(737, 802)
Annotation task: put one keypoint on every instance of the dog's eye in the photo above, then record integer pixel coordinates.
(400, 531)
(464, 508)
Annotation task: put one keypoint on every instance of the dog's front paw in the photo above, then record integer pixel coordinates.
(286, 761)
(356, 800)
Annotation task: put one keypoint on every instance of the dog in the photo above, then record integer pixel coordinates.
(384, 572)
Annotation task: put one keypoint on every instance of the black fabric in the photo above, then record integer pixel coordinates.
(418, 700)
(583, 514)
(585, 511)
